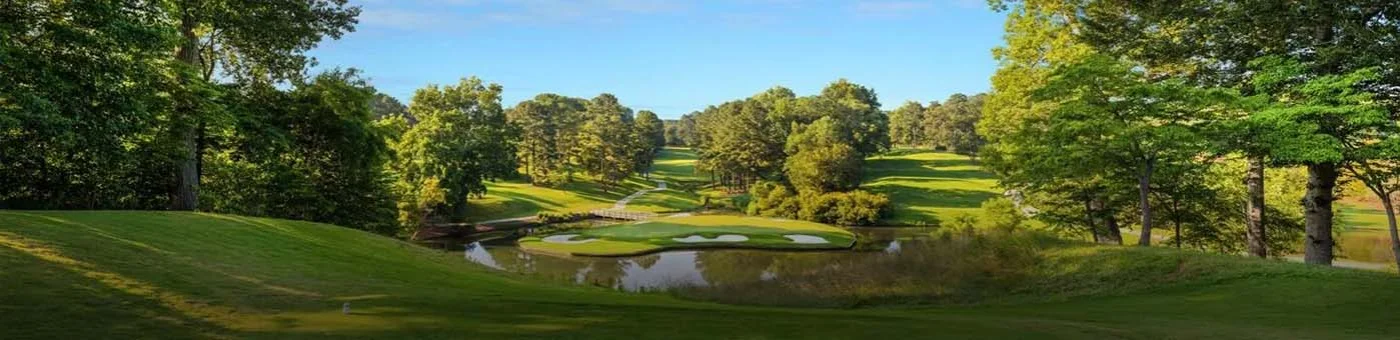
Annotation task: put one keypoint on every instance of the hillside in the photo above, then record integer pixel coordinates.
(117, 274)
(925, 186)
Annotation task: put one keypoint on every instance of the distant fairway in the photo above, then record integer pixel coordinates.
(925, 185)
(509, 199)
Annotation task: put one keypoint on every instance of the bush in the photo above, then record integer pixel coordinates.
(855, 207)
(1001, 214)
(562, 217)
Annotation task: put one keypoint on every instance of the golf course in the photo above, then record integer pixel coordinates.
(192, 275)
(678, 169)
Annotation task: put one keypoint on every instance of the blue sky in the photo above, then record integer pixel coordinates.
(673, 56)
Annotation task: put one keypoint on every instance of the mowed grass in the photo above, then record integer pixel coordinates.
(927, 186)
(660, 234)
(127, 275)
(1365, 233)
(510, 199)
(676, 164)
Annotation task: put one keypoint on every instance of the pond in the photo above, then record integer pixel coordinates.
(691, 269)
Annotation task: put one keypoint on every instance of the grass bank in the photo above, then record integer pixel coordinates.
(115, 274)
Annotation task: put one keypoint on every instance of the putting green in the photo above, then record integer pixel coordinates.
(708, 231)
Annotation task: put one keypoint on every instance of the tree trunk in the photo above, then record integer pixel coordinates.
(1098, 215)
(186, 195)
(1394, 237)
(1115, 236)
(1089, 220)
(1254, 208)
(1144, 189)
(1317, 213)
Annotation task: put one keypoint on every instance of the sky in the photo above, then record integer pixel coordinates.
(673, 56)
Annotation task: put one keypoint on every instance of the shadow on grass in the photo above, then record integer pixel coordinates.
(908, 196)
(880, 168)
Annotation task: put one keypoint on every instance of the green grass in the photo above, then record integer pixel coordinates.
(927, 186)
(676, 164)
(509, 199)
(656, 235)
(114, 274)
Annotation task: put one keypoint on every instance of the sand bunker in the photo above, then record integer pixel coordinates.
(806, 239)
(565, 239)
(720, 238)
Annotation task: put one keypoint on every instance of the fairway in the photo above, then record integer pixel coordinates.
(687, 232)
(926, 186)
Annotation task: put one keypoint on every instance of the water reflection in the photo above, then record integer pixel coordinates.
(692, 268)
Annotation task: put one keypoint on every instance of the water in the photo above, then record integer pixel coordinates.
(702, 268)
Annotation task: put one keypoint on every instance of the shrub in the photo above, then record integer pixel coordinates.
(1001, 214)
(855, 207)
(562, 217)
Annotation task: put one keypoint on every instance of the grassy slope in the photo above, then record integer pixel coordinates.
(508, 199)
(184, 275)
(655, 235)
(926, 185)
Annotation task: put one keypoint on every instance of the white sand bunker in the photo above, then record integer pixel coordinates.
(565, 239)
(806, 239)
(720, 238)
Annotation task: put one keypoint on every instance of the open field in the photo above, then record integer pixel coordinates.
(925, 186)
(117, 274)
(668, 233)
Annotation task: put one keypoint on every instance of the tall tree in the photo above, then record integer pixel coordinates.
(461, 140)
(1142, 125)
(906, 124)
(1213, 41)
(605, 146)
(650, 136)
(250, 40)
(81, 105)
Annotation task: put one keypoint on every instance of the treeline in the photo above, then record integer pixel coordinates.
(950, 125)
(1115, 113)
(801, 157)
(207, 106)
(561, 136)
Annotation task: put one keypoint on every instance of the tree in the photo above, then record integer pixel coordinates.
(1143, 125)
(953, 124)
(821, 160)
(250, 40)
(461, 140)
(859, 111)
(1215, 41)
(1335, 125)
(605, 147)
(312, 153)
(82, 105)
(536, 128)
(906, 124)
(387, 106)
(1070, 186)
(650, 136)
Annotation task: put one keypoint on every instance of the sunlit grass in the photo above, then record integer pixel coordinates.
(659, 234)
(926, 186)
(510, 199)
(116, 274)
